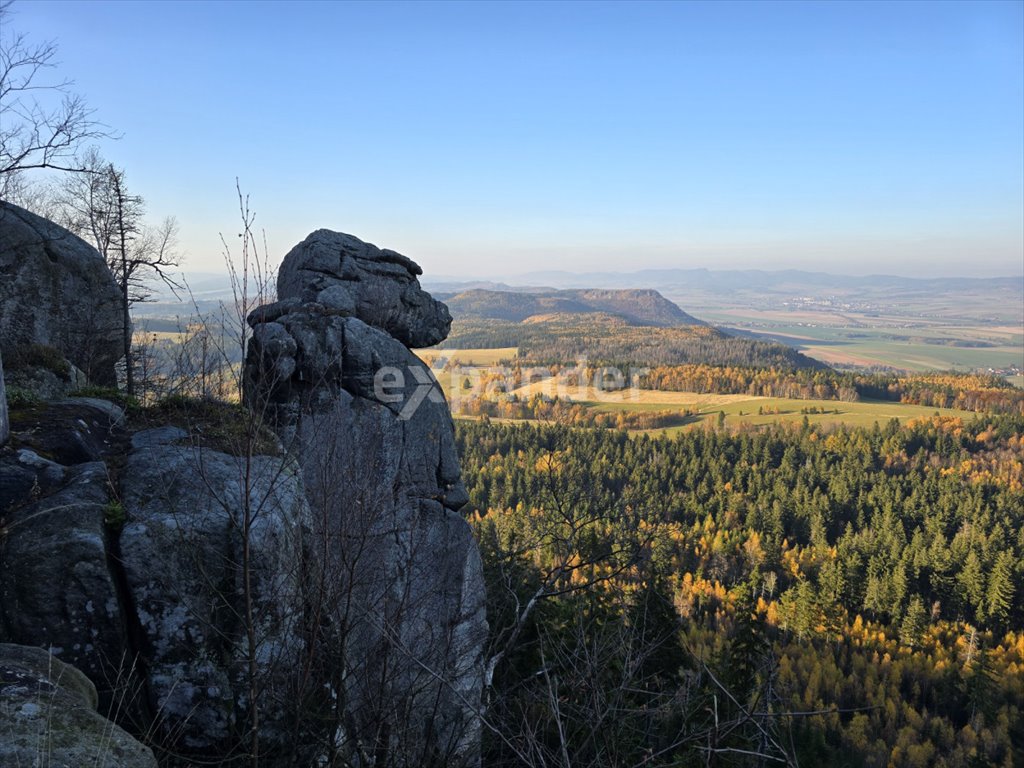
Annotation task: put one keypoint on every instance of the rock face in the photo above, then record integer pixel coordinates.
(57, 587)
(353, 278)
(186, 561)
(56, 290)
(154, 564)
(206, 579)
(58, 591)
(42, 381)
(48, 717)
(401, 572)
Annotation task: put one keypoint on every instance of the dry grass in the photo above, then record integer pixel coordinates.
(638, 397)
(469, 357)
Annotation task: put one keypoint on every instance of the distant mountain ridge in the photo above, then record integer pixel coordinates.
(637, 306)
(766, 279)
(622, 327)
(741, 279)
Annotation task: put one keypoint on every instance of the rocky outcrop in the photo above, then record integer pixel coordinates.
(56, 291)
(45, 376)
(213, 562)
(206, 574)
(57, 590)
(374, 436)
(357, 279)
(48, 717)
(170, 573)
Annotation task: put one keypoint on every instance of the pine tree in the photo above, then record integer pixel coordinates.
(747, 650)
(971, 585)
(656, 625)
(914, 623)
(999, 596)
(978, 683)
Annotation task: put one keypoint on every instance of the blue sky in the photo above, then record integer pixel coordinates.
(488, 139)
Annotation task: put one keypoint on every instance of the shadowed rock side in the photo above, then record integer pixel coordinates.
(48, 717)
(56, 290)
(184, 567)
(401, 572)
(358, 279)
(123, 554)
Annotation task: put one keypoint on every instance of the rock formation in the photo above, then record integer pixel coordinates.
(206, 579)
(330, 366)
(48, 717)
(346, 275)
(56, 588)
(195, 532)
(56, 291)
(124, 554)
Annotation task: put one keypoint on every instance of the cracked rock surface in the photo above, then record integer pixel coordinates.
(353, 278)
(373, 434)
(122, 555)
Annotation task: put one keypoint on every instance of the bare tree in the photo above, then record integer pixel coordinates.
(42, 123)
(96, 205)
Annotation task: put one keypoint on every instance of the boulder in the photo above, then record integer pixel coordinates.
(70, 431)
(124, 555)
(56, 589)
(43, 381)
(403, 583)
(56, 585)
(186, 565)
(48, 717)
(352, 278)
(56, 291)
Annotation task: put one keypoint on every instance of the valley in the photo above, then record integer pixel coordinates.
(882, 322)
(740, 411)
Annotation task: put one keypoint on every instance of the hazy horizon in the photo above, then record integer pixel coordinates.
(529, 279)
(486, 140)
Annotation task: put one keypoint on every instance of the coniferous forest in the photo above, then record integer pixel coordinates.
(850, 597)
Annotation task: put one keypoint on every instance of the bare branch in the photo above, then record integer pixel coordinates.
(42, 124)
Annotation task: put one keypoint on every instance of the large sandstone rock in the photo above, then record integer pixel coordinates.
(375, 438)
(125, 556)
(343, 592)
(378, 286)
(186, 563)
(56, 290)
(44, 381)
(56, 589)
(48, 717)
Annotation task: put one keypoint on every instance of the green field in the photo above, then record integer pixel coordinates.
(778, 409)
(739, 410)
(916, 357)
(744, 408)
(913, 343)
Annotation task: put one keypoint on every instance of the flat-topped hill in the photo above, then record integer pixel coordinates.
(637, 306)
